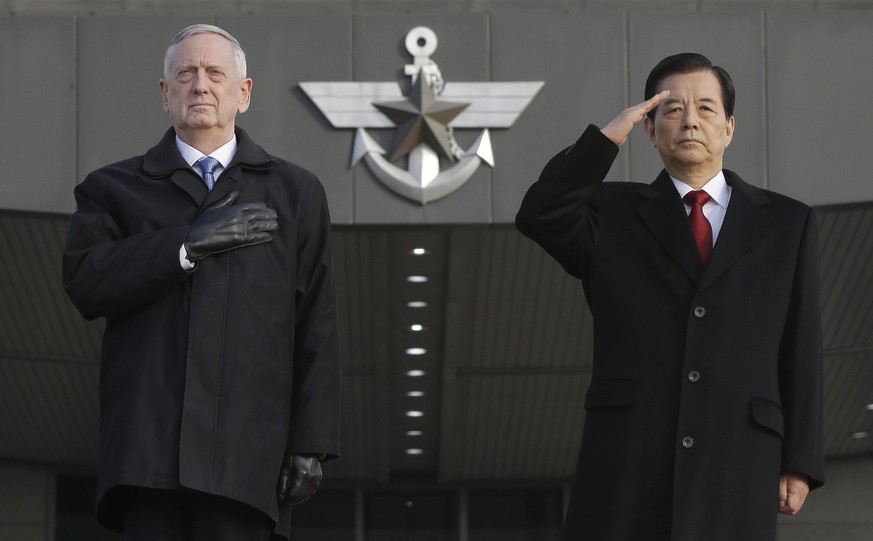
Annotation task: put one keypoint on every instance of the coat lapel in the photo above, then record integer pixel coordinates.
(164, 161)
(745, 220)
(663, 213)
(248, 156)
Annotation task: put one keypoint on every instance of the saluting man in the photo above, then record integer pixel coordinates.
(704, 416)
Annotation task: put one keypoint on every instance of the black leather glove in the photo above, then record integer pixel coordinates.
(299, 478)
(224, 226)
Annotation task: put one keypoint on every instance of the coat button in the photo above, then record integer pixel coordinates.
(699, 312)
(694, 376)
(688, 442)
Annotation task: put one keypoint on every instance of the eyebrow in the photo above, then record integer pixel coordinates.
(197, 65)
(671, 101)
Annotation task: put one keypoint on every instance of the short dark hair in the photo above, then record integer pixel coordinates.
(691, 63)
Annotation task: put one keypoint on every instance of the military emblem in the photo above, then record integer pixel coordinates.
(424, 121)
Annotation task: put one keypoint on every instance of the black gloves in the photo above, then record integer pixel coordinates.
(225, 226)
(299, 478)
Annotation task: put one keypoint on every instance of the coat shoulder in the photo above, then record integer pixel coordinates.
(764, 196)
(621, 187)
(128, 166)
(108, 177)
(789, 203)
(622, 192)
(300, 179)
(293, 170)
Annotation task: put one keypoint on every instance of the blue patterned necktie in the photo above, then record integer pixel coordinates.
(207, 166)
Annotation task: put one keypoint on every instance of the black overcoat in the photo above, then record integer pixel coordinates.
(207, 377)
(706, 381)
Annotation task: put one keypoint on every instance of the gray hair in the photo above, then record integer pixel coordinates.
(239, 57)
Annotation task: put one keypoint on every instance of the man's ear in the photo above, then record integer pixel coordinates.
(164, 89)
(649, 126)
(245, 94)
(729, 130)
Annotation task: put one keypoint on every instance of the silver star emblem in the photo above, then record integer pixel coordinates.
(421, 118)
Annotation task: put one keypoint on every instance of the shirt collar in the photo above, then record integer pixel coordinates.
(224, 154)
(717, 188)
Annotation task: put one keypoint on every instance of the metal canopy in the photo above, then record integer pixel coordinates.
(504, 347)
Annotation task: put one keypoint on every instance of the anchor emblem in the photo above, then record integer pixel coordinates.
(424, 121)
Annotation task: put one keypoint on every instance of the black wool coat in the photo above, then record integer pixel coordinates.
(208, 378)
(706, 381)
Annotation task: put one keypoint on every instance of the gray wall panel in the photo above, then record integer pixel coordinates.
(732, 40)
(820, 83)
(90, 83)
(38, 112)
(120, 65)
(281, 52)
(580, 57)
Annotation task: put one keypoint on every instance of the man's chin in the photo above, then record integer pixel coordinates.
(690, 158)
(199, 124)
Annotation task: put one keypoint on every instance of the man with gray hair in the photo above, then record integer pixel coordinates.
(211, 262)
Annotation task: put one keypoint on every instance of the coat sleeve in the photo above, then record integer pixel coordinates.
(800, 366)
(561, 210)
(315, 408)
(106, 270)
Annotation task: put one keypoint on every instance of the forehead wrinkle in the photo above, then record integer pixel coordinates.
(194, 57)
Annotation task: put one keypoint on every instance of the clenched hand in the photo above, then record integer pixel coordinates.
(793, 489)
(299, 478)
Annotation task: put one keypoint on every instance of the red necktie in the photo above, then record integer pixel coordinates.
(700, 226)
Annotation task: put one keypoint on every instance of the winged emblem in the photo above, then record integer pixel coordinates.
(424, 121)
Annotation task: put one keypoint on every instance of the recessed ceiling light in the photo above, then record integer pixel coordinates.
(415, 394)
(419, 251)
(869, 407)
(416, 328)
(416, 304)
(415, 373)
(414, 433)
(414, 451)
(416, 279)
(416, 351)
(414, 413)
(860, 435)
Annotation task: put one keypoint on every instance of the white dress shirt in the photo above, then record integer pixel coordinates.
(224, 154)
(720, 195)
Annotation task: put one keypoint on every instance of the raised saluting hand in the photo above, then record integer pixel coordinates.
(621, 126)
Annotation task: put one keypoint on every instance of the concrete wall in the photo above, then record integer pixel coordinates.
(80, 88)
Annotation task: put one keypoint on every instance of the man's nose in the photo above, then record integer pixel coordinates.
(690, 121)
(200, 82)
